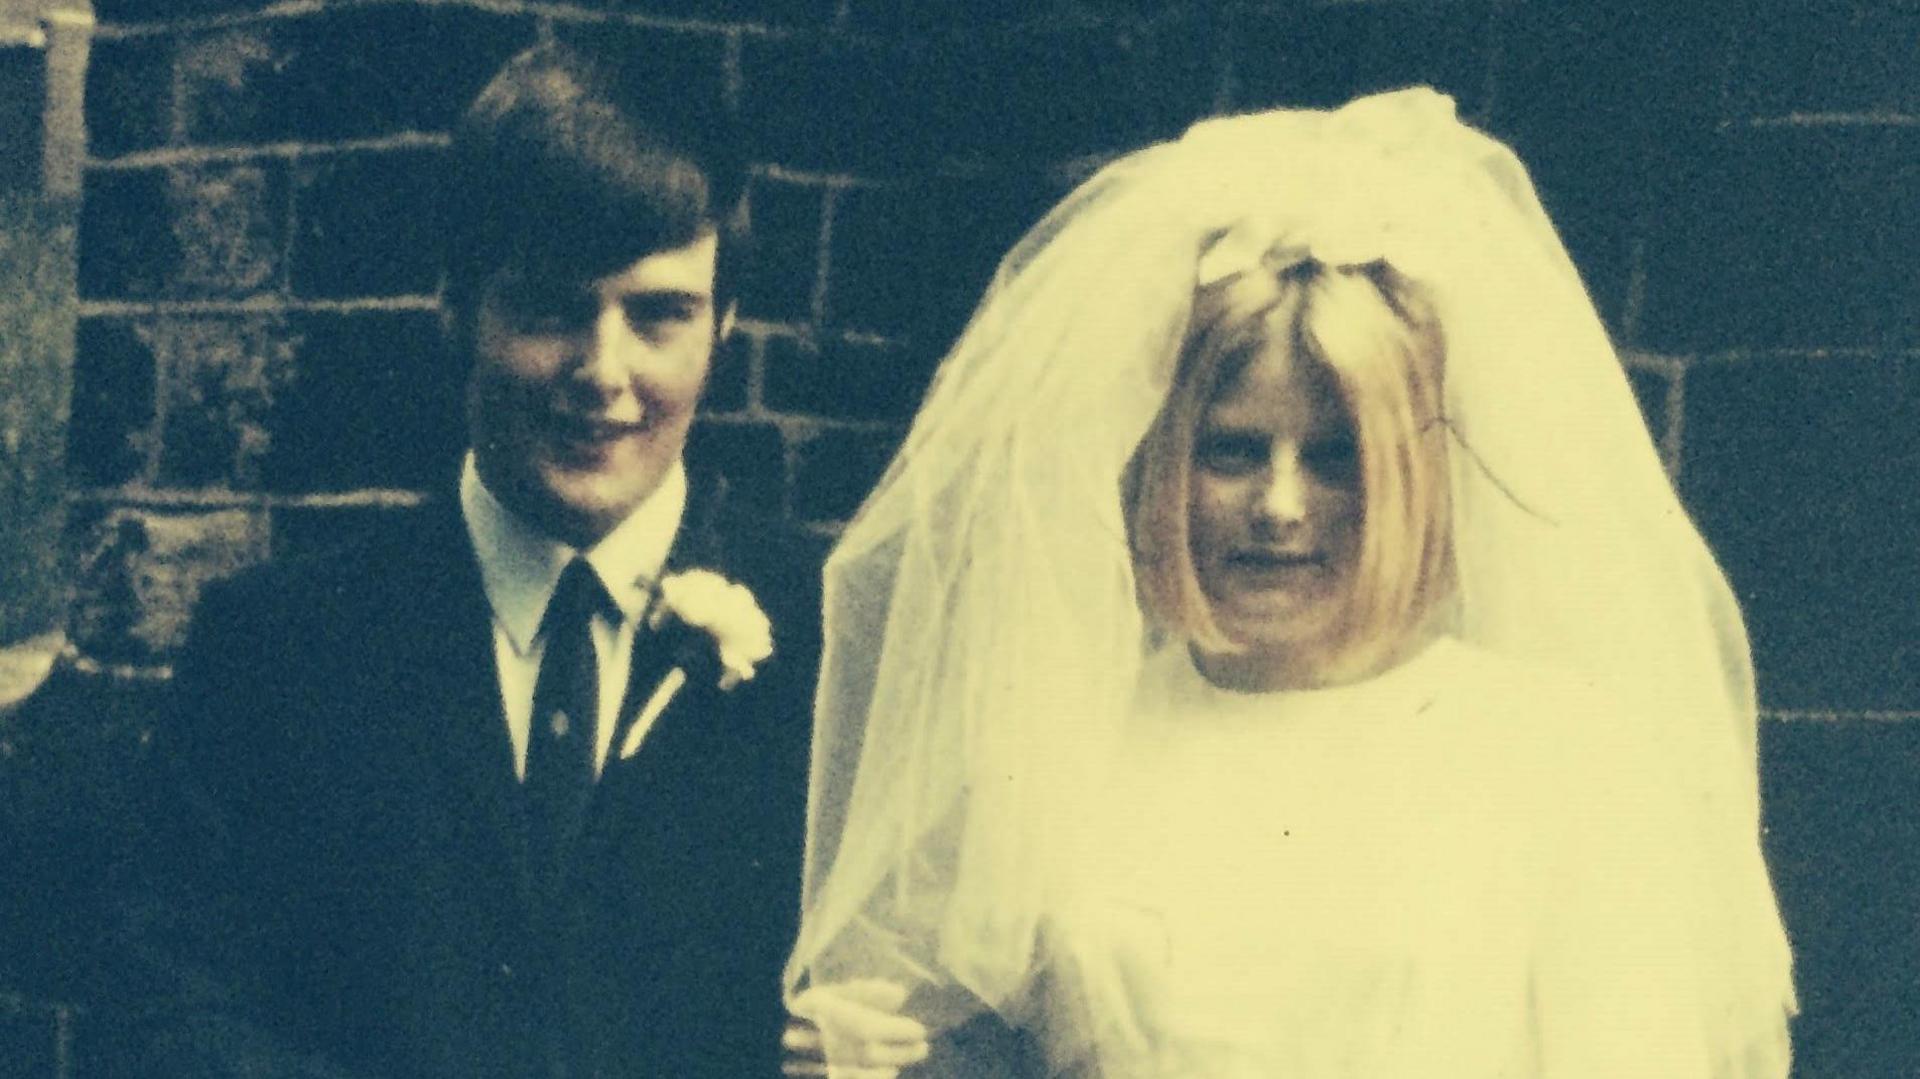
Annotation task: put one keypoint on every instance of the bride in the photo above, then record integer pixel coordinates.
(1277, 651)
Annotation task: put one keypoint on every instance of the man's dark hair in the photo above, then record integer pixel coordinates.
(567, 168)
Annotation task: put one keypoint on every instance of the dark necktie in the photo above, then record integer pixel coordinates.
(566, 711)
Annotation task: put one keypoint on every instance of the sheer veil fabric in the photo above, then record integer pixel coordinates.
(983, 643)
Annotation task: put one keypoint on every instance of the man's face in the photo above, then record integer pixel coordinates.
(581, 395)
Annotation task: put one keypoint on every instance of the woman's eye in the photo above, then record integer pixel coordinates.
(1333, 458)
(1230, 455)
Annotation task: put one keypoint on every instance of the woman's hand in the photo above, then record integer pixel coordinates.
(853, 1030)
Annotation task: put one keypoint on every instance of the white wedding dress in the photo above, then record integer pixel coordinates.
(1459, 869)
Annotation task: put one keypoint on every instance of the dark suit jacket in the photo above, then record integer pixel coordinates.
(361, 866)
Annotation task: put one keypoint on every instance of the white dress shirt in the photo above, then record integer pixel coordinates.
(519, 567)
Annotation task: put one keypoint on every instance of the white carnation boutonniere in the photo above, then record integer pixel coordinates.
(722, 631)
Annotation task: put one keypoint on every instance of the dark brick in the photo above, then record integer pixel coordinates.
(846, 380)
(914, 259)
(1603, 103)
(127, 248)
(133, 12)
(1790, 238)
(835, 469)
(1801, 475)
(1047, 96)
(1844, 843)
(732, 374)
(1825, 58)
(110, 434)
(1032, 97)
(23, 85)
(913, 20)
(206, 232)
(368, 224)
(751, 458)
(220, 379)
(676, 68)
(794, 13)
(301, 532)
(129, 94)
(140, 572)
(342, 74)
(374, 402)
(832, 104)
(27, 1038)
(1650, 392)
(1321, 55)
(780, 280)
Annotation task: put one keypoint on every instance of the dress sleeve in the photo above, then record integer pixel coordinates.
(1661, 949)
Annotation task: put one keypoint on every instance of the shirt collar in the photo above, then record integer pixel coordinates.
(519, 565)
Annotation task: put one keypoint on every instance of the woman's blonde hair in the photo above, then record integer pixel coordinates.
(1375, 332)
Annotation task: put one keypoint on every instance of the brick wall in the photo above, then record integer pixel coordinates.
(258, 273)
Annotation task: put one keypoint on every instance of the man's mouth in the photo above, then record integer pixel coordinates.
(589, 433)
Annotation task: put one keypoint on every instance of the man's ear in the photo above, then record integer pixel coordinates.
(725, 328)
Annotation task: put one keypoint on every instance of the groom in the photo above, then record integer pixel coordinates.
(517, 788)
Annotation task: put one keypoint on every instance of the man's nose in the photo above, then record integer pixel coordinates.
(602, 355)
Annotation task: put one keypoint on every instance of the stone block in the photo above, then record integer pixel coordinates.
(1035, 97)
(913, 259)
(779, 282)
(1800, 472)
(140, 572)
(757, 13)
(111, 429)
(343, 73)
(368, 224)
(27, 1041)
(750, 458)
(1843, 838)
(847, 380)
(127, 248)
(374, 402)
(1789, 238)
(1650, 389)
(220, 379)
(687, 68)
(1824, 58)
(1326, 54)
(134, 12)
(835, 469)
(303, 531)
(1604, 104)
(730, 379)
(129, 94)
(214, 231)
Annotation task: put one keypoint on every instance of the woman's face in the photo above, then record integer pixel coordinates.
(1276, 508)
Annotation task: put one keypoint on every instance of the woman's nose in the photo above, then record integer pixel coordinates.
(1282, 497)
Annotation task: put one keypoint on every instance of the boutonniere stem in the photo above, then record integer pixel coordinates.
(656, 704)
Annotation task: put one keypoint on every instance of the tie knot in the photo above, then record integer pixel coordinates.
(577, 598)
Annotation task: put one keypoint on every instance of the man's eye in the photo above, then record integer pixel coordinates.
(1229, 455)
(644, 311)
(549, 311)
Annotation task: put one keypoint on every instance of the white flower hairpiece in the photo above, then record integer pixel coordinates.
(741, 635)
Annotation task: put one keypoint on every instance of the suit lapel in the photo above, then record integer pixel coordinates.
(454, 686)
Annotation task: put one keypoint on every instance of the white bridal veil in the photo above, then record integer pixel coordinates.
(982, 636)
